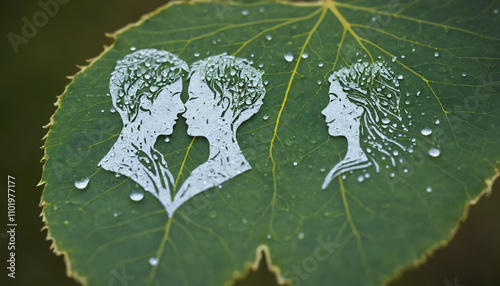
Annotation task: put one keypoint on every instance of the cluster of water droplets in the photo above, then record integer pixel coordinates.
(239, 80)
(143, 72)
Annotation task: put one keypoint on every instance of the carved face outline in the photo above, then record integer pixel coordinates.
(341, 115)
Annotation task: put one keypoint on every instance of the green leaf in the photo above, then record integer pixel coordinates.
(351, 233)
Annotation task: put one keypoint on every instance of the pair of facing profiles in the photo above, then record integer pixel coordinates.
(224, 91)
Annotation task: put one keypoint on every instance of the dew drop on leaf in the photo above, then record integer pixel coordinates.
(434, 152)
(82, 183)
(426, 131)
(436, 54)
(153, 261)
(244, 12)
(428, 189)
(305, 55)
(288, 57)
(300, 236)
(137, 195)
(265, 117)
(269, 37)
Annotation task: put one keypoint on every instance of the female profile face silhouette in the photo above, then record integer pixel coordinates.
(341, 115)
(202, 109)
(165, 108)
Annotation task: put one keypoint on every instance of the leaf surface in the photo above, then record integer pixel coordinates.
(351, 233)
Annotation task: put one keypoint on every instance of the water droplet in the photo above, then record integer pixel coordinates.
(167, 139)
(386, 120)
(495, 11)
(436, 54)
(66, 222)
(82, 183)
(319, 82)
(300, 235)
(464, 74)
(116, 214)
(434, 152)
(295, 163)
(428, 189)
(405, 170)
(394, 59)
(361, 178)
(196, 55)
(367, 175)
(262, 9)
(137, 195)
(392, 175)
(269, 37)
(265, 117)
(400, 76)
(374, 19)
(437, 121)
(112, 110)
(268, 236)
(261, 65)
(395, 152)
(305, 55)
(413, 49)
(244, 12)
(403, 56)
(133, 48)
(426, 131)
(288, 57)
(322, 170)
(153, 261)
(320, 65)
(102, 110)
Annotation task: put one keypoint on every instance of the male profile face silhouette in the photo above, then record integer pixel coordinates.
(145, 88)
(224, 91)
(164, 110)
(202, 109)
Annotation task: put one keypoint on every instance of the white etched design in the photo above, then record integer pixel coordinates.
(364, 106)
(224, 91)
(145, 89)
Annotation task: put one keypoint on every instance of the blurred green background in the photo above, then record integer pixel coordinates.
(31, 78)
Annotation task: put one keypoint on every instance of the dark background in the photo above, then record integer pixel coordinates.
(31, 78)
